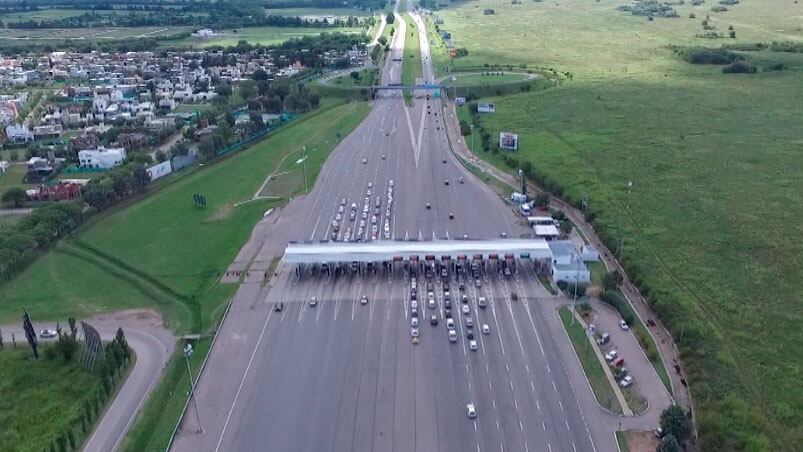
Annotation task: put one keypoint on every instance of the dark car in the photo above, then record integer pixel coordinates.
(278, 306)
(470, 335)
(433, 320)
(447, 313)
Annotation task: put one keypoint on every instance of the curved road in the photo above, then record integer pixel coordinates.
(152, 344)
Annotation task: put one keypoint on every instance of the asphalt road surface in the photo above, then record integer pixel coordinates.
(346, 376)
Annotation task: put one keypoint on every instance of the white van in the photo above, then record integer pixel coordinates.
(452, 335)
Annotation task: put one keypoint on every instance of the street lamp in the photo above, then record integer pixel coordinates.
(187, 353)
(575, 261)
(472, 138)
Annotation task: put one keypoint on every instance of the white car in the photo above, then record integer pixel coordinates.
(343, 202)
(364, 299)
(340, 209)
(48, 334)
(627, 381)
(471, 411)
(370, 185)
(623, 325)
(338, 217)
(390, 183)
(373, 219)
(486, 329)
(414, 322)
(364, 161)
(362, 223)
(450, 324)
(472, 345)
(431, 303)
(414, 332)
(469, 322)
(368, 193)
(611, 355)
(414, 304)
(465, 309)
(313, 301)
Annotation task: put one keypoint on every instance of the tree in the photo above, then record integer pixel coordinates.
(668, 443)
(248, 89)
(259, 74)
(14, 196)
(465, 128)
(541, 200)
(675, 422)
(160, 156)
(390, 18)
(611, 280)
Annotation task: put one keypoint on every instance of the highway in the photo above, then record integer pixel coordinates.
(346, 376)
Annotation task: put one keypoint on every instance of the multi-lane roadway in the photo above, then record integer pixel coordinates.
(343, 375)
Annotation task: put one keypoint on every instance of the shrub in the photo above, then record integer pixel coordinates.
(739, 67)
(779, 66)
(732, 34)
(616, 300)
(701, 55)
(465, 128)
(611, 280)
(562, 285)
(583, 308)
(569, 290)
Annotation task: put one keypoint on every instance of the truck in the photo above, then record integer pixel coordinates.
(518, 197)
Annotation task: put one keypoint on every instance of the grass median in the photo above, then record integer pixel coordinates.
(593, 369)
(411, 64)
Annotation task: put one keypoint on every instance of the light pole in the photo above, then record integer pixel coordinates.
(472, 138)
(187, 354)
(304, 165)
(576, 276)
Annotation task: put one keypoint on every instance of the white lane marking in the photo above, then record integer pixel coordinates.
(550, 446)
(532, 386)
(242, 381)
(537, 404)
(543, 426)
(561, 405)
(475, 429)
(567, 425)
(553, 386)
(526, 448)
(548, 369)
(516, 403)
(337, 308)
(493, 402)
(490, 386)
(521, 427)
(501, 447)
(574, 447)
(497, 425)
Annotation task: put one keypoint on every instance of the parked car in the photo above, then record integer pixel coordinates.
(627, 381)
(603, 339)
(623, 325)
(611, 355)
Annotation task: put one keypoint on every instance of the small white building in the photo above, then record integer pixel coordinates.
(486, 107)
(567, 265)
(19, 133)
(589, 253)
(205, 33)
(103, 158)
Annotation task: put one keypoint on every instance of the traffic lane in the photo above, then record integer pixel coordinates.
(446, 399)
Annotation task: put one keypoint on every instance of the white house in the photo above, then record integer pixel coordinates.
(589, 253)
(567, 264)
(205, 33)
(19, 133)
(101, 157)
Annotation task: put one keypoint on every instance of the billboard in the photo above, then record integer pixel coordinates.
(509, 141)
(160, 170)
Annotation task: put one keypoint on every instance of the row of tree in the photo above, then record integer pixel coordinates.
(116, 185)
(37, 230)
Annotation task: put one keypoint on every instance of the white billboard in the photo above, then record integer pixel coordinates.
(160, 170)
(509, 141)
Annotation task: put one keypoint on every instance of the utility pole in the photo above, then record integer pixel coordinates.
(304, 165)
(472, 138)
(187, 353)
(576, 276)
(523, 184)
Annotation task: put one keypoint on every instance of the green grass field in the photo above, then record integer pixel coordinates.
(259, 35)
(711, 225)
(13, 177)
(591, 365)
(162, 252)
(41, 398)
(11, 36)
(411, 64)
(316, 12)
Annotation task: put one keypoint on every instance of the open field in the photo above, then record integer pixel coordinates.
(486, 79)
(163, 253)
(13, 177)
(316, 12)
(260, 35)
(83, 34)
(41, 398)
(710, 229)
(591, 365)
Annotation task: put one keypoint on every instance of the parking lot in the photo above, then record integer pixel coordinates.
(346, 375)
